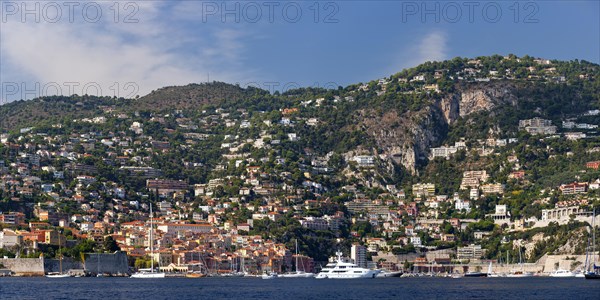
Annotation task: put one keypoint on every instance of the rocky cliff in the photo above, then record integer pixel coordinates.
(472, 98)
(408, 137)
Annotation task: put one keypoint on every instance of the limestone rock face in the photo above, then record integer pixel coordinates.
(476, 98)
(407, 138)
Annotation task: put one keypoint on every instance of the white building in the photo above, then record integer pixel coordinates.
(423, 189)
(416, 241)
(470, 252)
(474, 193)
(501, 215)
(9, 238)
(462, 204)
(493, 188)
(176, 227)
(537, 126)
(358, 254)
(364, 160)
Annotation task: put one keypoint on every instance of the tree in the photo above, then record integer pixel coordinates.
(110, 245)
(142, 263)
(85, 246)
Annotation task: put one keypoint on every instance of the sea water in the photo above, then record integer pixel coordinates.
(299, 288)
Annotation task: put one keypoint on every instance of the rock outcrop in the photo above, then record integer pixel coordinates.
(407, 138)
(474, 98)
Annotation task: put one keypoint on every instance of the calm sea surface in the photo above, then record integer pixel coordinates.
(301, 288)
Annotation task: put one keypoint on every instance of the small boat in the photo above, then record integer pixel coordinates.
(271, 275)
(579, 274)
(297, 274)
(519, 274)
(233, 274)
(148, 275)
(194, 275)
(456, 275)
(386, 274)
(57, 275)
(475, 274)
(562, 273)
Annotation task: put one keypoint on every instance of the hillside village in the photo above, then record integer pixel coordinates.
(234, 185)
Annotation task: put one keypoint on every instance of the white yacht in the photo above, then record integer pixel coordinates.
(297, 274)
(341, 269)
(562, 273)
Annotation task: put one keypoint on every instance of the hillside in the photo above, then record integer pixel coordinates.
(457, 139)
(193, 96)
(25, 113)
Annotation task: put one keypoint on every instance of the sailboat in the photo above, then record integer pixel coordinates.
(233, 270)
(151, 273)
(519, 273)
(594, 273)
(59, 274)
(98, 274)
(476, 274)
(196, 274)
(298, 273)
(490, 271)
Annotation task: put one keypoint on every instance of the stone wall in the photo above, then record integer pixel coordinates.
(565, 262)
(106, 263)
(24, 266)
(545, 223)
(53, 265)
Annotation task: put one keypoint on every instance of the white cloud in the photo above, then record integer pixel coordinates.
(153, 53)
(432, 47)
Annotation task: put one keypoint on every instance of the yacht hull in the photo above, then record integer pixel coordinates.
(592, 276)
(476, 274)
(563, 275)
(148, 275)
(389, 274)
(58, 275)
(298, 275)
(366, 275)
(519, 275)
(269, 276)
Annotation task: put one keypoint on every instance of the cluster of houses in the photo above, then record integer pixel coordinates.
(97, 182)
(474, 71)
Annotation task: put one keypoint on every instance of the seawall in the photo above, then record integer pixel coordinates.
(106, 263)
(24, 266)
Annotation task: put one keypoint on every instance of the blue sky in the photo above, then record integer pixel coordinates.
(138, 46)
